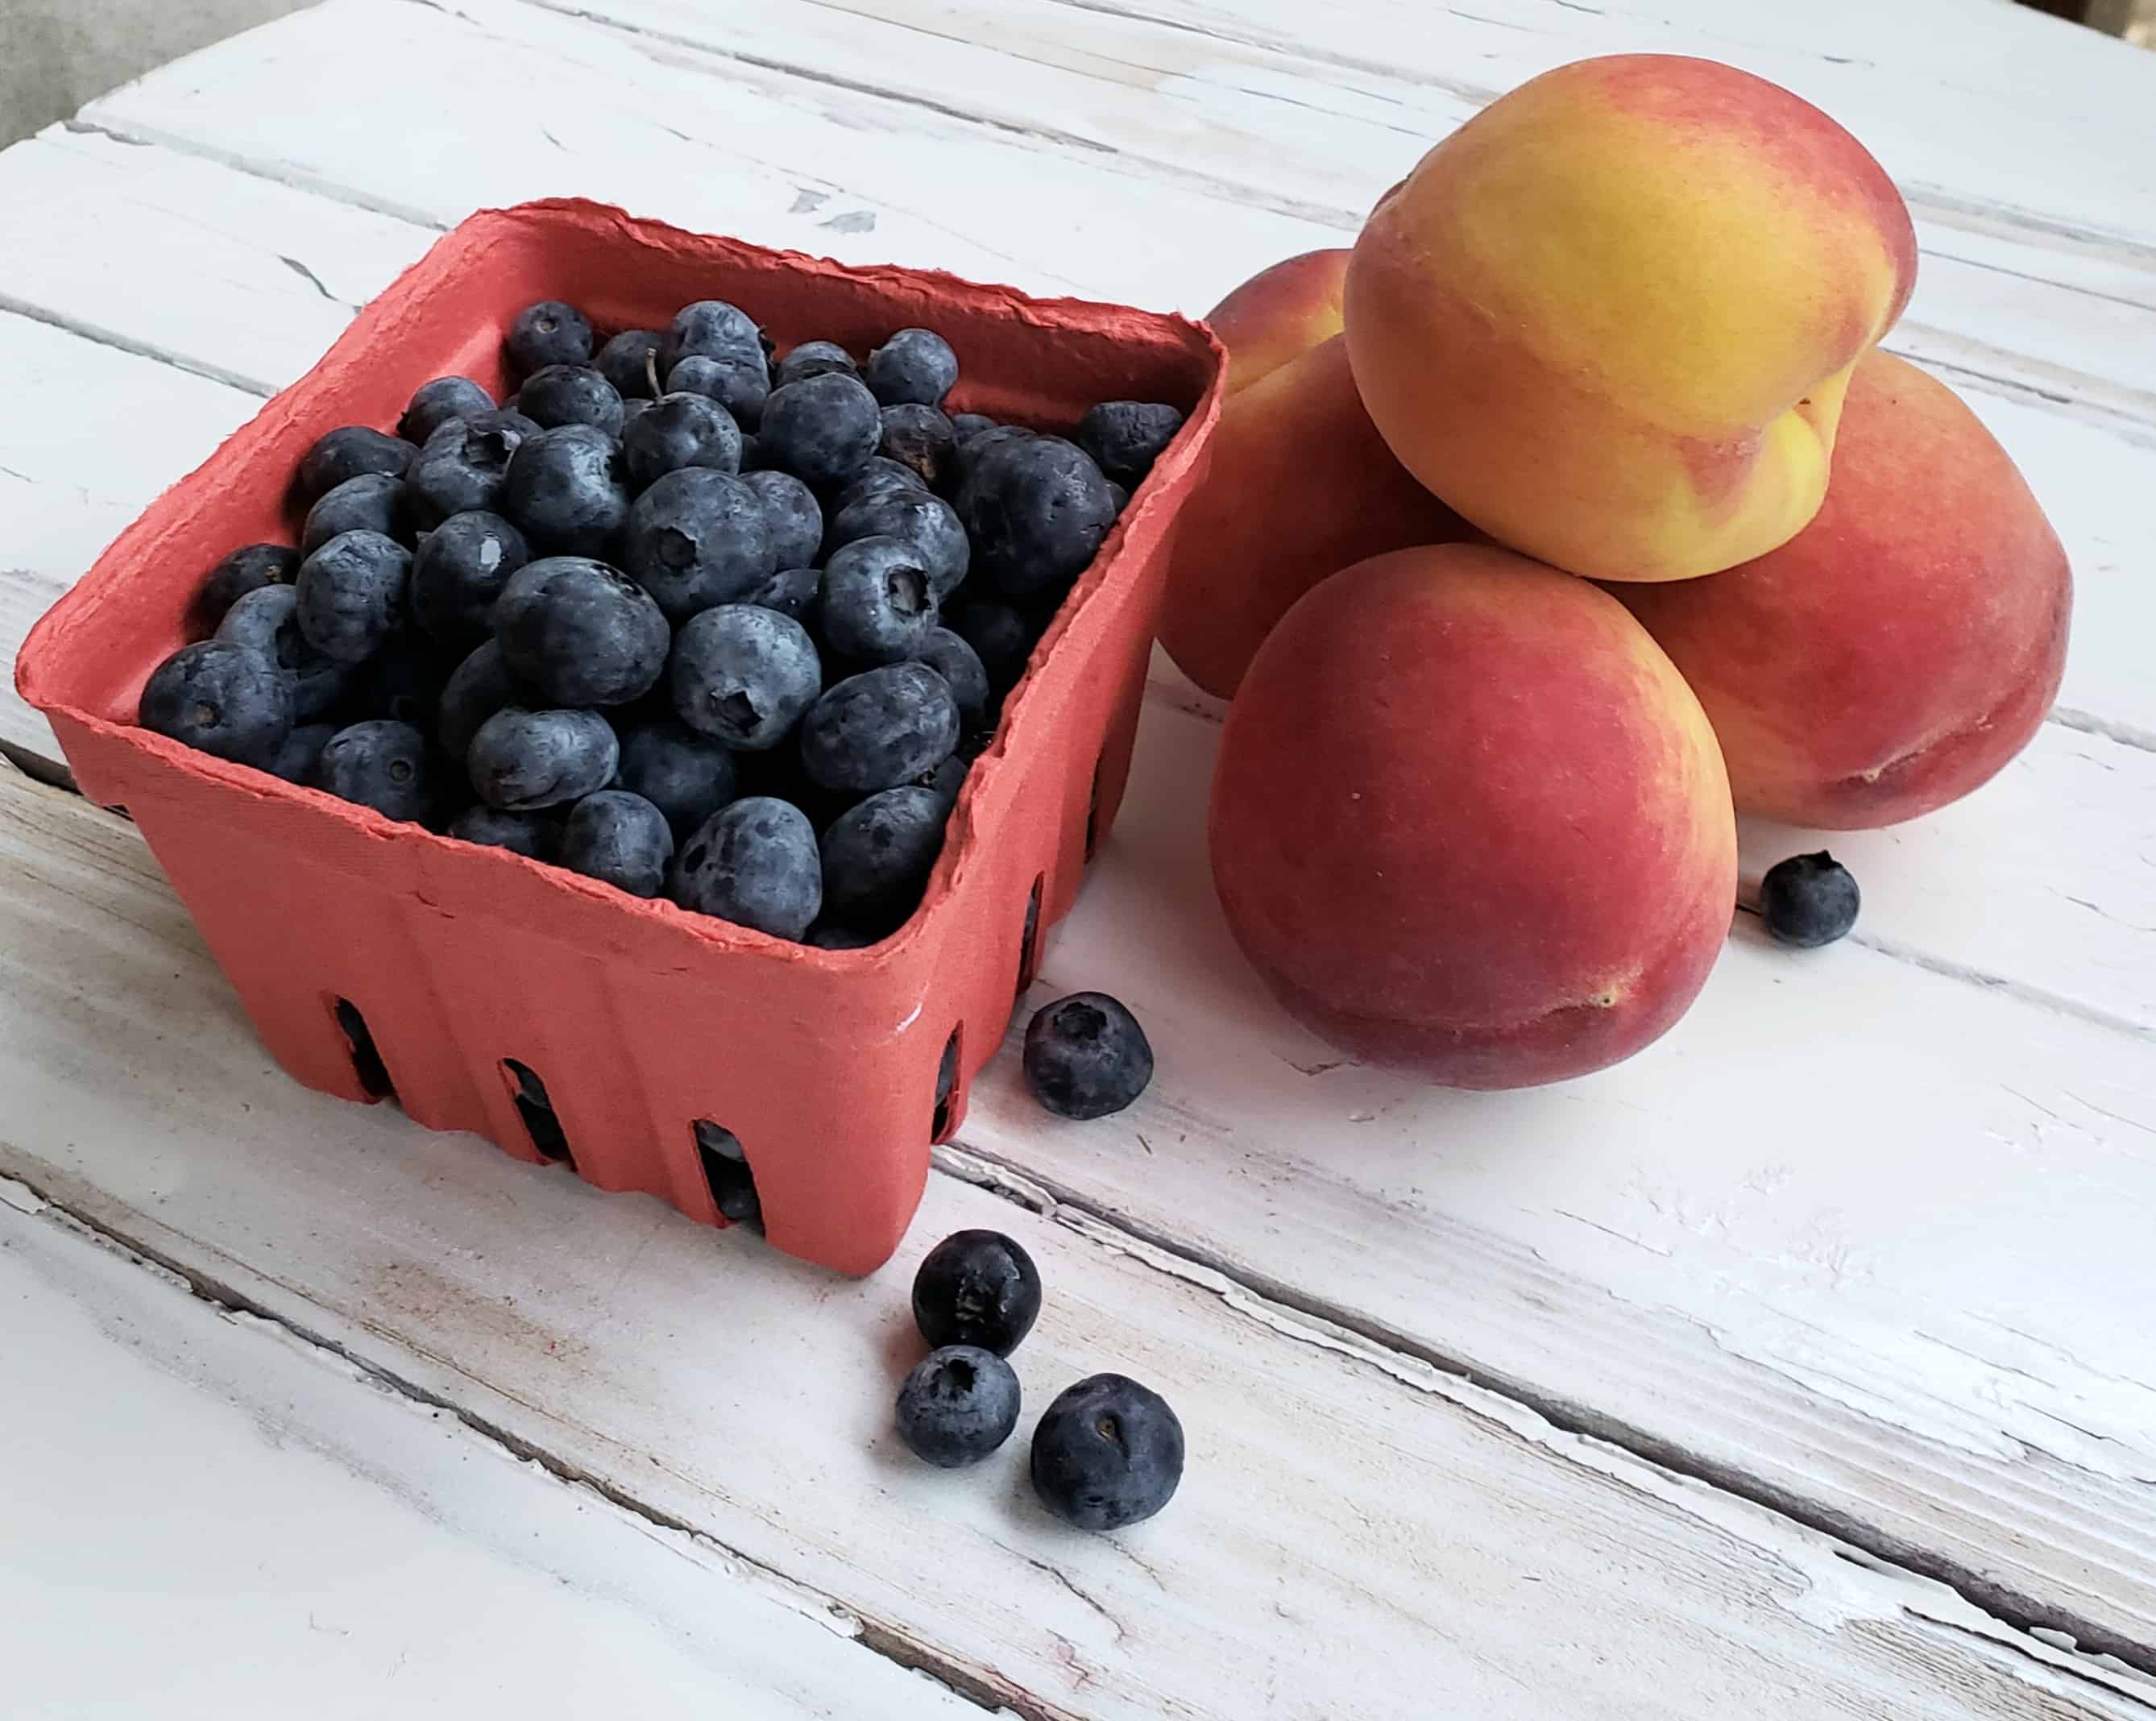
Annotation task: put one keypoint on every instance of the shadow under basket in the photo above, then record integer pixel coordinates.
(645, 1047)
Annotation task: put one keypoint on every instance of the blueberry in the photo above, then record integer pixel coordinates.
(881, 474)
(534, 834)
(459, 571)
(228, 700)
(951, 658)
(373, 501)
(477, 688)
(878, 855)
(267, 621)
(744, 674)
(378, 764)
(876, 605)
(879, 729)
(571, 395)
(1036, 510)
(814, 358)
(947, 778)
(348, 451)
(620, 839)
(751, 456)
(302, 751)
(1126, 437)
(924, 522)
(791, 591)
(505, 419)
(790, 512)
(974, 449)
(521, 759)
(829, 935)
(958, 1405)
(352, 593)
(632, 410)
(916, 367)
(920, 438)
(1001, 638)
(1107, 1453)
(463, 468)
(753, 863)
(549, 332)
(1086, 1056)
(823, 429)
(1118, 497)
(677, 430)
(628, 361)
(687, 776)
(434, 403)
(966, 426)
(698, 538)
(735, 384)
(946, 1076)
(248, 570)
(1809, 900)
(567, 491)
(977, 1288)
(711, 328)
(579, 633)
(726, 1172)
(403, 681)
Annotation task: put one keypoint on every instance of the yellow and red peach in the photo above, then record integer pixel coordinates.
(1280, 313)
(1611, 318)
(1468, 821)
(1901, 648)
(1300, 485)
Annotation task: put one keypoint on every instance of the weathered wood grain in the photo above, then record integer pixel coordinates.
(205, 1514)
(1861, 1241)
(1357, 1532)
(710, 124)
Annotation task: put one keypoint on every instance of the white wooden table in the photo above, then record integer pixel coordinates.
(1804, 1367)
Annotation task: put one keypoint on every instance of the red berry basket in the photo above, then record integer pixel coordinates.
(485, 989)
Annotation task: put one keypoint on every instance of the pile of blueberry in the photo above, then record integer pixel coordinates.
(675, 616)
(1107, 1453)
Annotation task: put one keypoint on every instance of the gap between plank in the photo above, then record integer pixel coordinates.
(2030, 1632)
(1294, 1313)
(1190, 702)
(686, 51)
(12, 306)
(983, 1687)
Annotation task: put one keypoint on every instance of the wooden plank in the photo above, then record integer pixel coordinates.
(1698, 1236)
(2041, 878)
(1977, 104)
(241, 279)
(2062, 372)
(1357, 1532)
(206, 1514)
(89, 434)
(1303, 133)
(1857, 1230)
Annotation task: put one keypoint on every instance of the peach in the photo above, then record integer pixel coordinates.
(1280, 313)
(1901, 648)
(1300, 485)
(1468, 821)
(1612, 317)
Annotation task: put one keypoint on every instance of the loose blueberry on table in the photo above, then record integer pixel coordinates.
(1108, 1452)
(979, 1288)
(1086, 1056)
(958, 1405)
(687, 614)
(1809, 900)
